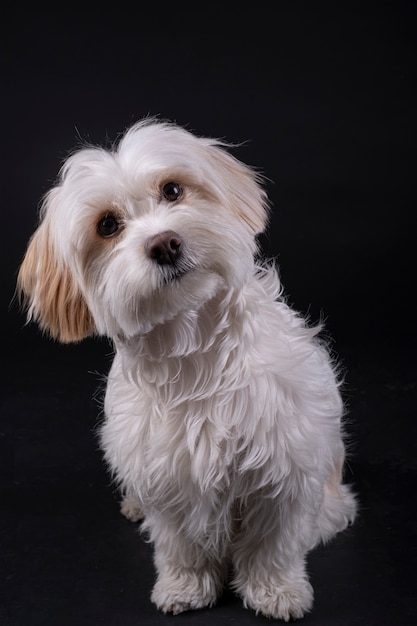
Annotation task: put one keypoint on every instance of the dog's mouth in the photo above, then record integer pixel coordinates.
(174, 273)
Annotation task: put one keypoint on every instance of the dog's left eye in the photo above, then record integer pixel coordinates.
(108, 226)
(172, 191)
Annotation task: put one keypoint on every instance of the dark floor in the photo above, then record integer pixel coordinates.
(69, 557)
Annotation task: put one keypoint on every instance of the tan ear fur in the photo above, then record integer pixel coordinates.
(48, 290)
(249, 200)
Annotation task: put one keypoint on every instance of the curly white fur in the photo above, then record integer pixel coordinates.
(222, 410)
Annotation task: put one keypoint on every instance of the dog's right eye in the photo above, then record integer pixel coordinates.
(108, 226)
(172, 191)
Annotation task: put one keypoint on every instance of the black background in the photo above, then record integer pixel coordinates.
(323, 97)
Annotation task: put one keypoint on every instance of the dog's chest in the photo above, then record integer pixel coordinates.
(174, 434)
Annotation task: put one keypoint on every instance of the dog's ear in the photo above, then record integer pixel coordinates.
(47, 288)
(245, 194)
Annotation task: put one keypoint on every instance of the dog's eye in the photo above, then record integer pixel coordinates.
(108, 226)
(172, 191)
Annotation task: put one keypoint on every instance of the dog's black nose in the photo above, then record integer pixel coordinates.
(164, 248)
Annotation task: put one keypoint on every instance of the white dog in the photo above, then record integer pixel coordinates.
(222, 410)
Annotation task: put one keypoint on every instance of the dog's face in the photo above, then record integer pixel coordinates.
(131, 237)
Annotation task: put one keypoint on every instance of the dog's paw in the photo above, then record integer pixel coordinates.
(130, 509)
(184, 592)
(283, 601)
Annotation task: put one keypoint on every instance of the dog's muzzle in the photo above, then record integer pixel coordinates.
(166, 249)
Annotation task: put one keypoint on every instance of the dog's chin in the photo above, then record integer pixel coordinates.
(179, 291)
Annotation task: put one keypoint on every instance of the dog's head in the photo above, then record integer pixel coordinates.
(131, 237)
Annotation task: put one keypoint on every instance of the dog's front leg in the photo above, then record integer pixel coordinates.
(269, 561)
(189, 577)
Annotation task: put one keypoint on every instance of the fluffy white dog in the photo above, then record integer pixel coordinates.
(222, 410)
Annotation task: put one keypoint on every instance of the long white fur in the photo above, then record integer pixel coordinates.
(222, 410)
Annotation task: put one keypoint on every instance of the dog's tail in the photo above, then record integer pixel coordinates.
(339, 506)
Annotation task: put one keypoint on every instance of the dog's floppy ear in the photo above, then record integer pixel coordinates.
(48, 290)
(245, 194)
